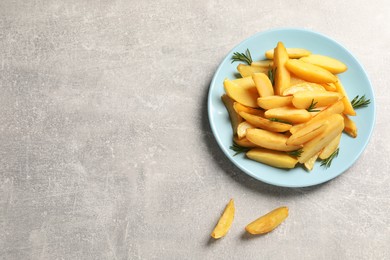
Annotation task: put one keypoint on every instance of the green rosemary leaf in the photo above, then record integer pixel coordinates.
(328, 161)
(273, 119)
(296, 153)
(360, 102)
(244, 57)
(312, 106)
(271, 75)
(239, 149)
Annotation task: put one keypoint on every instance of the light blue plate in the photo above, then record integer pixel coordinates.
(355, 81)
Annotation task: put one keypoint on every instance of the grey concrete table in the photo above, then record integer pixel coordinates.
(106, 150)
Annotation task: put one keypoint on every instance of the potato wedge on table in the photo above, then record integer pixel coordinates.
(270, 140)
(265, 123)
(268, 222)
(310, 72)
(288, 114)
(272, 158)
(245, 95)
(293, 53)
(225, 221)
(326, 62)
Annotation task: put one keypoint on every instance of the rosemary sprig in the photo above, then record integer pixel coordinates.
(312, 106)
(296, 153)
(244, 57)
(239, 149)
(271, 74)
(273, 119)
(360, 102)
(328, 161)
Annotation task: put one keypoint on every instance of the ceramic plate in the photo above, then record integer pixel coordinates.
(355, 81)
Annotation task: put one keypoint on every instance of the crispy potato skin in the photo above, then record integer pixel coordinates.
(268, 222)
(225, 221)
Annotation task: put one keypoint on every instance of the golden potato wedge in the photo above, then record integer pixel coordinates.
(244, 82)
(297, 127)
(326, 62)
(289, 114)
(293, 53)
(306, 86)
(282, 75)
(225, 221)
(294, 79)
(309, 164)
(248, 70)
(244, 95)
(329, 87)
(304, 99)
(274, 101)
(241, 129)
(307, 133)
(310, 72)
(265, 123)
(235, 118)
(244, 142)
(241, 108)
(336, 125)
(348, 108)
(268, 222)
(350, 127)
(270, 140)
(272, 158)
(263, 63)
(330, 148)
(336, 108)
(263, 84)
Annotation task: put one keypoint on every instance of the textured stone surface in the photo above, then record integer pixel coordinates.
(105, 147)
